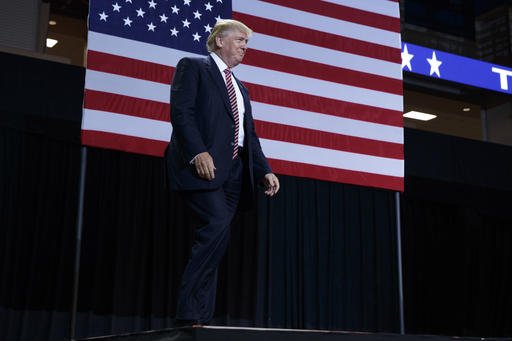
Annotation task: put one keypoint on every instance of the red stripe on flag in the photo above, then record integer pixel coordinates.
(286, 98)
(318, 38)
(343, 13)
(105, 101)
(337, 175)
(125, 143)
(322, 139)
(322, 71)
(104, 62)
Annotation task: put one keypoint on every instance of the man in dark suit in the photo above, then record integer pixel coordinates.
(214, 159)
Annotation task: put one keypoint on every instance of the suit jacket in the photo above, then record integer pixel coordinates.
(202, 121)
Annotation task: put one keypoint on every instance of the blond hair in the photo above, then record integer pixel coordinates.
(221, 28)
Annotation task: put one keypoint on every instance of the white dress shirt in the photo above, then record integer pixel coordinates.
(239, 98)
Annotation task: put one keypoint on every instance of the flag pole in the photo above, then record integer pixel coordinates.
(399, 263)
(78, 241)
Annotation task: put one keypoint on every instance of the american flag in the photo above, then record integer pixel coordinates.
(325, 80)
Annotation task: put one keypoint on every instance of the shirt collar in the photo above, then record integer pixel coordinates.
(220, 63)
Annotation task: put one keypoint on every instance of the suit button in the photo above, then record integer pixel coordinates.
(232, 126)
(232, 143)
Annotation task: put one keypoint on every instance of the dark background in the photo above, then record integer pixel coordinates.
(456, 17)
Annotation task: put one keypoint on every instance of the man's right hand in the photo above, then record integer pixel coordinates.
(204, 166)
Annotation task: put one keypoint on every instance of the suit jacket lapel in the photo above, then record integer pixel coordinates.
(219, 82)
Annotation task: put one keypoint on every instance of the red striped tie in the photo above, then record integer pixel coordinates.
(234, 108)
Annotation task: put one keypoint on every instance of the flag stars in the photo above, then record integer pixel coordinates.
(117, 8)
(151, 27)
(140, 12)
(174, 32)
(208, 6)
(217, 18)
(163, 18)
(152, 4)
(208, 28)
(186, 23)
(127, 21)
(103, 16)
(186, 2)
(130, 1)
(175, 9)
(196, 36)
(197, 15)
(219, 1)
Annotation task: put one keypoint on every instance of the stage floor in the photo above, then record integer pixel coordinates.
(219, 333)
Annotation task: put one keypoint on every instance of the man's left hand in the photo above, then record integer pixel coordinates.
(271, 184)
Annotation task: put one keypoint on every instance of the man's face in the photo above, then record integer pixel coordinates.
(232, 47)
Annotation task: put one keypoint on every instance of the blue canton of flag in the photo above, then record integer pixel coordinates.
(180, 24)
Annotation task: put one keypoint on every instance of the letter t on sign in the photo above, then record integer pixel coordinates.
(503, 76)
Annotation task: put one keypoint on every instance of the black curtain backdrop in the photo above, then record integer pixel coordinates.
(319, 255)
(457, 243)
(457, 236)
(38, 193)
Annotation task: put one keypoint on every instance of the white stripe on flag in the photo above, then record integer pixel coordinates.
(384, 7)
(126, 125)
(135, 49)
(127, 86)
(327, 123)
(332, 158)
(318, 22)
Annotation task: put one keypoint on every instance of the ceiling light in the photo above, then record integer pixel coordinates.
(51, 42)
(52, 23)
(418, 115)
(466, 109)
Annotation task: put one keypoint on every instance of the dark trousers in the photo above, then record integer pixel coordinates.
(215, 210)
